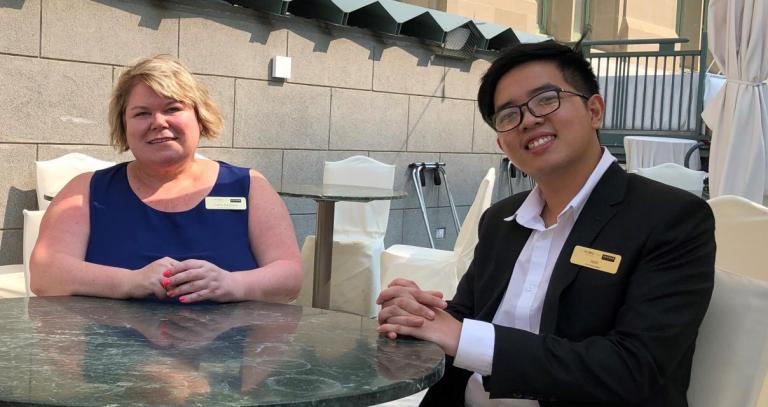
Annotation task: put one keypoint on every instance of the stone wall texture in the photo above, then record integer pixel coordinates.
(351, 92)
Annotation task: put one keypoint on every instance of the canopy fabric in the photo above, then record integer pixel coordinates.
(401, 12)
(738, 114)
(396, 18)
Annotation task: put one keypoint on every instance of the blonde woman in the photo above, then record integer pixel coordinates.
(167, 225)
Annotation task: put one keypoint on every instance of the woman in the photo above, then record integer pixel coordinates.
(167, 224)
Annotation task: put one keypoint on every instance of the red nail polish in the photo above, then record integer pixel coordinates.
(167, 273)
(166, 282)
(182, 298)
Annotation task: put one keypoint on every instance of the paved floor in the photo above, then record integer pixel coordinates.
(410, 401)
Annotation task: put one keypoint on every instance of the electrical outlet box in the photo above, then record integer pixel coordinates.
(440, 233)
(281, 67)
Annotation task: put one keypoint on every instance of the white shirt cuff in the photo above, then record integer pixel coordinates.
(475, 351)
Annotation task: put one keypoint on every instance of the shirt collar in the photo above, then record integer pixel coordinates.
(529, 213)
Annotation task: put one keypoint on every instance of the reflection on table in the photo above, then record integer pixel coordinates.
(91, 351)
(326, 196)
(646, 152)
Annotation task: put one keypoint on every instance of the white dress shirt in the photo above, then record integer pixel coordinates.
(523, 301)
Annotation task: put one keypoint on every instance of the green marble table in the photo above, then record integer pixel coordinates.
(96, 352)
(326, 196)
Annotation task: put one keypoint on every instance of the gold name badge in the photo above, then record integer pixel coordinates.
(596, 259)
(225, 202)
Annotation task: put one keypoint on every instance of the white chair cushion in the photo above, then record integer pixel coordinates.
(14, 278)
(731, 358)
(12, 281)
(677, 176)
(431, 269)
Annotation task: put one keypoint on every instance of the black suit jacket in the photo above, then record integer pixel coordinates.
(623, 339)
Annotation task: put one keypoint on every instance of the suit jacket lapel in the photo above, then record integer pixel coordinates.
(598, 209)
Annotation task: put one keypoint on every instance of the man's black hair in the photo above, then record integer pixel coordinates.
(571, 62)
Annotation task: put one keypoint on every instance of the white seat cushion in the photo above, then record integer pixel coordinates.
(13, 283)
(431, 269)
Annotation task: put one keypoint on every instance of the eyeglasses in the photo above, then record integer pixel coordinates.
(539, 105)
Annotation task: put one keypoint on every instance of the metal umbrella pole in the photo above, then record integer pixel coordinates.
(513, 178)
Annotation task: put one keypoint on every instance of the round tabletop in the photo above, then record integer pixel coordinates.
(331, 192)
(92, 351)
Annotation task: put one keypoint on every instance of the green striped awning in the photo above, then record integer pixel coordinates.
(453, 32)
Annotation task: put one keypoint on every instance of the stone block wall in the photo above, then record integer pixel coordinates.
(351, 92)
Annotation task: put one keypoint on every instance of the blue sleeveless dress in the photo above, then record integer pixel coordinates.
(126, 232)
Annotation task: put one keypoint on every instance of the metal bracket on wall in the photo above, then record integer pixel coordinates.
(418, 173)
(518, 181)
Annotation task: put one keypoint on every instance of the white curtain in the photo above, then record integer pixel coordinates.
(738, 114)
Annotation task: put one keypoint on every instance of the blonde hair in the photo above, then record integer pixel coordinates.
(169, 78)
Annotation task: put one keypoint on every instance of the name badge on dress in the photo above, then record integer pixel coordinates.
(225, 202)
(596, 259)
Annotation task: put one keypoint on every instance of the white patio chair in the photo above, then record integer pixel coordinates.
(434, 269)
(32, 221)
(677, 176)
(731, 359)
(14, 278)
(358, 238)
(741, 233)
(52, 175)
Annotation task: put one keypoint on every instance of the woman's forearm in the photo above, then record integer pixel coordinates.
(59, 274)
(279, 281)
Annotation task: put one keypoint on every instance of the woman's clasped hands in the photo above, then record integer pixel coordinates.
(198, 280)
(146, 279)
(189, 280)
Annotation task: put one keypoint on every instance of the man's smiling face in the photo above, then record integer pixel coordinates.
(558, 142)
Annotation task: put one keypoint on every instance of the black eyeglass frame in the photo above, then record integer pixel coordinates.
(558, 91)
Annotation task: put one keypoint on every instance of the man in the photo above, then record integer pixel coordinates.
(590, 289)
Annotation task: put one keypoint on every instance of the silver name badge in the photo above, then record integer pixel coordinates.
(225, 202)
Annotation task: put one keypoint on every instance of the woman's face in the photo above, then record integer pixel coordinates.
(159, 129)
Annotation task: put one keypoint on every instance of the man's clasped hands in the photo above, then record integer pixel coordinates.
(408, 310)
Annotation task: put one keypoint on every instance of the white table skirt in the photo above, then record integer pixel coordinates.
(645, 152)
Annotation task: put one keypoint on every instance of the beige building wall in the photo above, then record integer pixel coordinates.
(433, 4)
(650, 19)
(609, 19)
(519, 14)
(642, 19)
(690, 26)
(563, 19)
